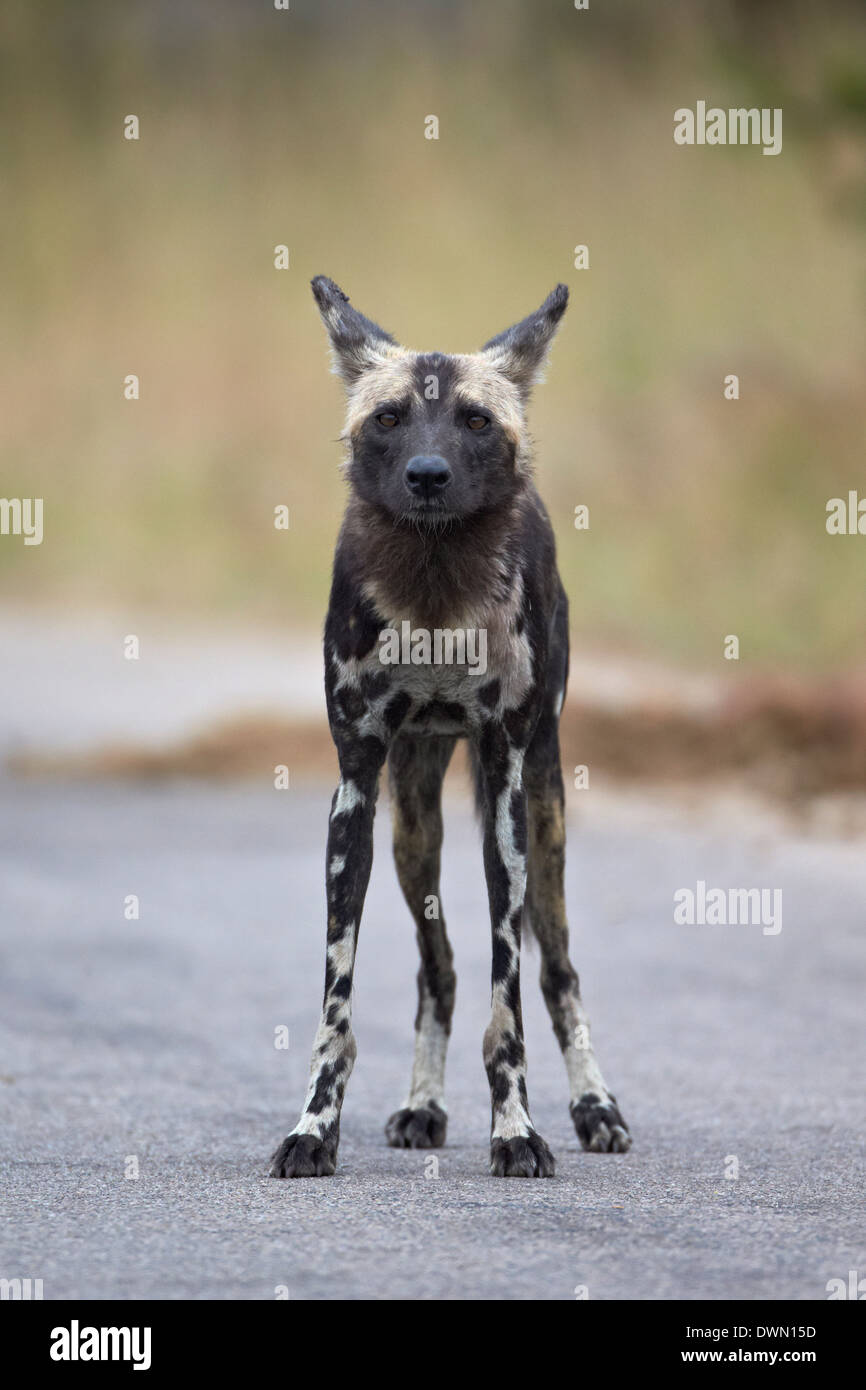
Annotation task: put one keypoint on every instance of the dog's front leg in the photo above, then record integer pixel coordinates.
(516, 1149)
(311, 1148)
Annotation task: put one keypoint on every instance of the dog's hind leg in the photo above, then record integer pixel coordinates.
(599, 1124)
(417, 767)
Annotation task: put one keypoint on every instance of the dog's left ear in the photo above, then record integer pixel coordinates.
(520, 351)
(356, 340)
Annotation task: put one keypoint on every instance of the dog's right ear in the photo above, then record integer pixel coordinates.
(357, 342)
(520, 351)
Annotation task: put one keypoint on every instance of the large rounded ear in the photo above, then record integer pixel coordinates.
(357, 342)
(520, 352)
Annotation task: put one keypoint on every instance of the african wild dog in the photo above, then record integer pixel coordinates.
(444, 528)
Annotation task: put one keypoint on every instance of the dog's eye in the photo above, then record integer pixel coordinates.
(388, 419)
(477, 422)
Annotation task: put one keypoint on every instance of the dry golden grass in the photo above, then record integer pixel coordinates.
(789, 743)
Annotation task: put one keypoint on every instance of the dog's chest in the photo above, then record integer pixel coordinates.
(442, 681)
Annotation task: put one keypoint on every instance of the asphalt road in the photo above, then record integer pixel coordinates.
(148, 1045)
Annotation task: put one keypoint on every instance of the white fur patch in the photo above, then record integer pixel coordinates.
(348, 797)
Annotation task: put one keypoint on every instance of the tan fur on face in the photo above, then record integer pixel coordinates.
(390, 377)
(479, 383)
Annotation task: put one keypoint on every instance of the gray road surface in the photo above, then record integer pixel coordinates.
(153, 1040)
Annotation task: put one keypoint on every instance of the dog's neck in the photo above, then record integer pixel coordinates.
(448, 577)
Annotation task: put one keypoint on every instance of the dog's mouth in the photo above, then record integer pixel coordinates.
(430, 513)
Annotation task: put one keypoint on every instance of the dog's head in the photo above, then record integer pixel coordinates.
(436, 438)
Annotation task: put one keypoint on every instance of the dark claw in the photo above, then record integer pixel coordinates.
(600, 1127)
(417, 1129)
(303, 1156)
(521, 1158)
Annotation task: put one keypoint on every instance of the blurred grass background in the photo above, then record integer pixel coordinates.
(306, 127)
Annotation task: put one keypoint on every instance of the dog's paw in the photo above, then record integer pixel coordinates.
(521, 1158)
(600, 1127)
(417, 1129)
(303, 1156)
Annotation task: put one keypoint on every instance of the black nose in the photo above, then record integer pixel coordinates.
(427, 475)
